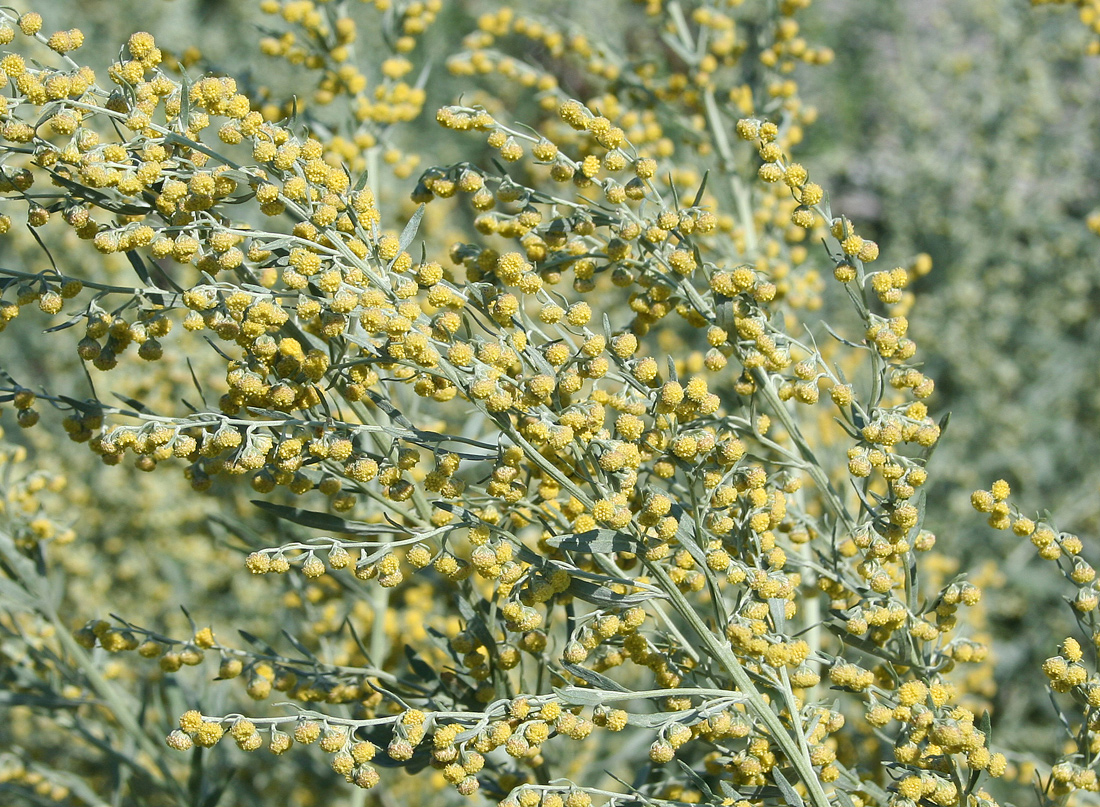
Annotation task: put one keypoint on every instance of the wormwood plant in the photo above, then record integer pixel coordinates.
(660, 532)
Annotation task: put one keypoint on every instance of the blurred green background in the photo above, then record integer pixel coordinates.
(967, 130)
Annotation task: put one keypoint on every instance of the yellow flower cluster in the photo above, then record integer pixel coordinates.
(566, 410)
(328, 43)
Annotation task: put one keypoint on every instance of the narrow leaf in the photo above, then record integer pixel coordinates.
(789, 793)
(409, 233)
(579, 696)
(73, 320)
(139, 267)
(604, 596)
(133, 403)
(301, 648)
(257, 642)
(422, 669)
(702, 187)
(15, 597)
(594, 678)
(594, 541)
(323, 521)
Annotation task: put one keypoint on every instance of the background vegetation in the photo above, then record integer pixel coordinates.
(966, 132)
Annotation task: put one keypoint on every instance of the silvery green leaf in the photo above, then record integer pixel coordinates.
(602, 595)
(20, 589)
(409, 233)
(696, 779)
(301, 648)
(685, 534)
(789, 793)
(133, 403)
(654, 719)
(728, 791)
(778, 608)
(280, 243)
(594, 678)
(594, 541)
(475, 623)
(526, 555)
(15, 597)
(257, 642)
(579, 696)
(423, 670)
(323, 521)
(70, 322)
